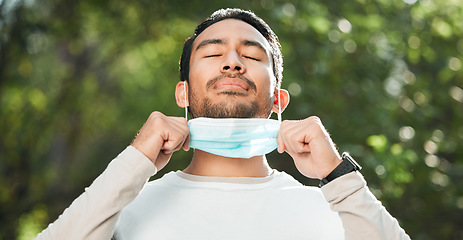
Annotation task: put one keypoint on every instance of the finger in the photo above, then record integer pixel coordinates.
(174, 143)
(291, 138)
(172, 150)
(180, 121)
(181, 124)
(186, 143)
(300, 135)
(282, 135)
(176, 136)
(281, 146)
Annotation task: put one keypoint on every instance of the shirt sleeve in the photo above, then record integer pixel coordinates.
(94, 213)
(362, 215)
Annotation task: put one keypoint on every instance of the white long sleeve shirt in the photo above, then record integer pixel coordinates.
(183, 206)
(180, 205)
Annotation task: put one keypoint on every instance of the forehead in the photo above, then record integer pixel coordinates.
(232, 29)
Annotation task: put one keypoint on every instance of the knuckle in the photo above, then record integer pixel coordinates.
(284, 135)
(285, 123)
(156, 115)
(314, 118)
(290, 135)
(181, 119)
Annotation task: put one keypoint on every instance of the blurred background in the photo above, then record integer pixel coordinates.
(79, 78)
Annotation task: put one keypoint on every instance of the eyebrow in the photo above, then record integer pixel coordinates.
(254, 44)
(209, 42)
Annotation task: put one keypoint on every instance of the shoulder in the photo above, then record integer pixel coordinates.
(286, 181)
(289, 186)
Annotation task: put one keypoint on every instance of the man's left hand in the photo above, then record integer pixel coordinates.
(310, 146)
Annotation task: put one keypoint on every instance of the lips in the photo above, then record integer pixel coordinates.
(231, 83)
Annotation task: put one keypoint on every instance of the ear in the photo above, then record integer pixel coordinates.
(180, 90)
(283, 99)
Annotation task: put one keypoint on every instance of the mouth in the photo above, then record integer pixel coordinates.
(231, 82)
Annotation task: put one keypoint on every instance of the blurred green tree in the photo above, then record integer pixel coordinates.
(78, 79)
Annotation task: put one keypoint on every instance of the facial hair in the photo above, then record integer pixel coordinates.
(207, 108)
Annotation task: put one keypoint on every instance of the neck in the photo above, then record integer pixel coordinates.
(207, 164)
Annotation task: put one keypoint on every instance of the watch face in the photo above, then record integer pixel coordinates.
(351, 160)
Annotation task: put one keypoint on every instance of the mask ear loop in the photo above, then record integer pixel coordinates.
(186, 107)
(279, 105)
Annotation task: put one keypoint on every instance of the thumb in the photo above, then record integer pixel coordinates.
(281, 146)
(186, 144)
(162, 159)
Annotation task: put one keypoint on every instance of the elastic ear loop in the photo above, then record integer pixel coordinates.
(279, 106)
(186, 107)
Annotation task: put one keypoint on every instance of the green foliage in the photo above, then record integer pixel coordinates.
(79, 78)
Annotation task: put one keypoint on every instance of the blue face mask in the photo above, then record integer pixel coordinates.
(234, 137)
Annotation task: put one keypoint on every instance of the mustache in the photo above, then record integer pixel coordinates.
(232, 75)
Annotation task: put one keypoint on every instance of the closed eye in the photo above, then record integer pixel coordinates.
(213, 55)
(252, 58)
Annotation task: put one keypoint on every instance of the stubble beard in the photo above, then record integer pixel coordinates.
(206, 108)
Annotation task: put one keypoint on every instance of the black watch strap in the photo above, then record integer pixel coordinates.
(347, 165)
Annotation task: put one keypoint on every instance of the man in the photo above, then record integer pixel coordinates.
(231, 75)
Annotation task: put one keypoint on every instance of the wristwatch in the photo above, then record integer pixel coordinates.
(347, 165)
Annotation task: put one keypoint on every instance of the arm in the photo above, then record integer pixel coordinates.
(315, 156)
(94, 213)
(362, 215)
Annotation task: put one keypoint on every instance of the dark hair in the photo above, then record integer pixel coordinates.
(245, 16)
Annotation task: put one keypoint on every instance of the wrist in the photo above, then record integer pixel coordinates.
(143, 150)
(347, 165)
(334, 164)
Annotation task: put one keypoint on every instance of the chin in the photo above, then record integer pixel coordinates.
(228, 108)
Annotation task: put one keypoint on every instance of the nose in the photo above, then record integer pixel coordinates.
(232, 63)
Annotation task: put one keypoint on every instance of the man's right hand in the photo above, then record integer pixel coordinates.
(161, 136)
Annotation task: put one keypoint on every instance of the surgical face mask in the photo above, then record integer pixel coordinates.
(234, 137)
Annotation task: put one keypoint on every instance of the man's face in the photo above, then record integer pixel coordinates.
(231, 72)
